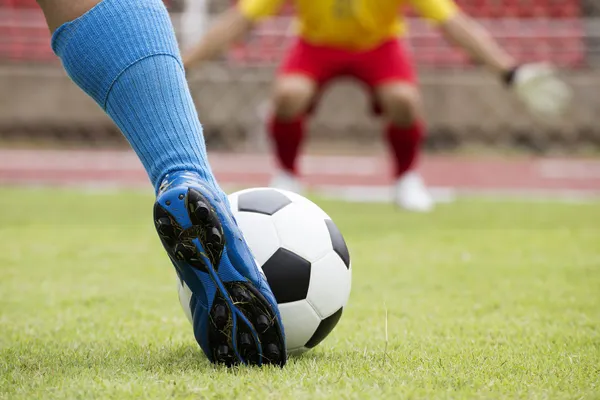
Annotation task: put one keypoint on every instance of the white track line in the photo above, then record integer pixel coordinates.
(383, 194)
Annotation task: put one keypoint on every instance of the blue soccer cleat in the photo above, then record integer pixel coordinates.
(235, 314)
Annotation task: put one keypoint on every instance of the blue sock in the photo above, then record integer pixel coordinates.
(124, 54)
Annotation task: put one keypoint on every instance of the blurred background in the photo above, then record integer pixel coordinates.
(479, 137)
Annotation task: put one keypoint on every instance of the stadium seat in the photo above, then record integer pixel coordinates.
(24, 36)
(530, 29)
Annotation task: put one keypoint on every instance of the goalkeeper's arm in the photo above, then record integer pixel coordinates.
(535, 84)
(463, 31)
(229, 27)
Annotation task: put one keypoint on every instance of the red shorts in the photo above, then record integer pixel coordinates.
(386, 63)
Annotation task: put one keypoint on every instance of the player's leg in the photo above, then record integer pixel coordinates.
(304, 70)
(388, 71)
(125, 56)
(401, 106)
(292, 97)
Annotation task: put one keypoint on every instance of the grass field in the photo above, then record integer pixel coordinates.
(483, 300)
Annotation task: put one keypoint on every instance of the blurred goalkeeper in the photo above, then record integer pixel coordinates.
(359, 39)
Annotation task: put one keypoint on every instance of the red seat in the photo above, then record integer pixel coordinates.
(529, 29)
(24, 35)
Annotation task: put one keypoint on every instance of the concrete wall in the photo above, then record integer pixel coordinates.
(468, 107)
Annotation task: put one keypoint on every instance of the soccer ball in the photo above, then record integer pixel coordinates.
(303, 256)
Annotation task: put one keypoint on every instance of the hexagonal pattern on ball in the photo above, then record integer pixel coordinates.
(324, 329)
(338, 242)
(300, 322)
(303, 232)
(330, 283)
(303, 201)
(288, 275)
(264, 201)
(260, 234)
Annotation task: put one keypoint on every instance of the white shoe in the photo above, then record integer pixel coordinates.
(285, 180)
(411, 194)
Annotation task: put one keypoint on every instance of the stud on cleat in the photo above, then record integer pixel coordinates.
(247, 349)
(262, 323)
(165, 227)
(224, 355)
(198, 206)
(183, 252)
(220, 316)
(222, 351)
(215, 236)
(199, 210)
(245, 342)
(240, 295)
(272, 353)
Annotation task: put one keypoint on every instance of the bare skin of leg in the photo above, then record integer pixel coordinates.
(401, 103)
(292, 96)
(57, 12)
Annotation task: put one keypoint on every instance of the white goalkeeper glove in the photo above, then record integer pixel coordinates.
(538, 87)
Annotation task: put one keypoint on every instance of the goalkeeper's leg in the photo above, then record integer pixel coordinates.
(388, 71)
(404, 133)
(124, 54)
(304, 69)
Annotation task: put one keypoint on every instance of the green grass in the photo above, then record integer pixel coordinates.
(483, 300)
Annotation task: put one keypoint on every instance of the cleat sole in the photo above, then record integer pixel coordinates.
(233, 339)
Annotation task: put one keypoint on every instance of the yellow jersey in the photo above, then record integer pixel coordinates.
(350, 24)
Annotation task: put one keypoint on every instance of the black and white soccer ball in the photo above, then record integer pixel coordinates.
(304, 257)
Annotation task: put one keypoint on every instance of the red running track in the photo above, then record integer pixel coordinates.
(550, 176)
